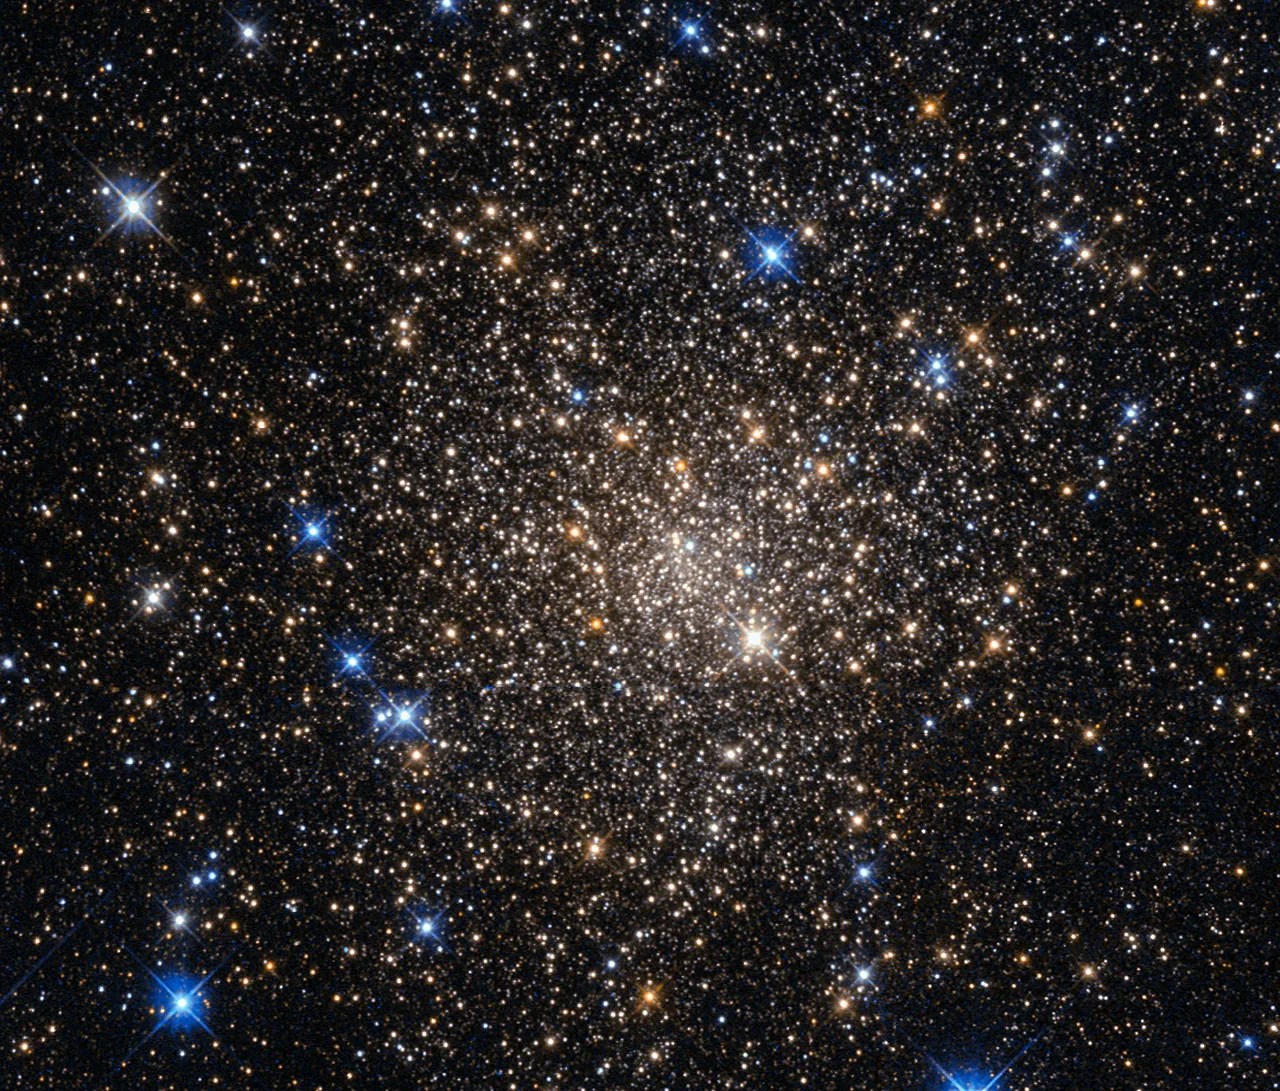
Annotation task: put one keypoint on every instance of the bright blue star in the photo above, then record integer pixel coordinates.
(967, 1083)
(180, 1003)
(939, 376)
(689, 35)
(401, 717)
(771, 255)
(352, 658)
(313, 532)
(429, 927)
(178, 1000)
(133, 205)
(864, 874)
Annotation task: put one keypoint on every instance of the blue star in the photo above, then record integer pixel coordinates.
(352, 658)
(133, 206)
(938, 373)
(689, 35)
(429, 927)
(968, 1083)
(401, 717)
(179, 1000)
(313, 532)
(864, 874)
(771, 254)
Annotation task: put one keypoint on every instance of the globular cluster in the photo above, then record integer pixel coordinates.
(573, 544)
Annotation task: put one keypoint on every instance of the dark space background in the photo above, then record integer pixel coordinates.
(573, 545)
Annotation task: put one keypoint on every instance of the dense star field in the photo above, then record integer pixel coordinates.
(586, 545)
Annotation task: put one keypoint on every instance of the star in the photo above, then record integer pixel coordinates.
(352, 658)
(771, 255)
(428, 928)
(401, 718)
(313, 533)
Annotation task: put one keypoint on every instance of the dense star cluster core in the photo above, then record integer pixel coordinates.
(621, 544)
